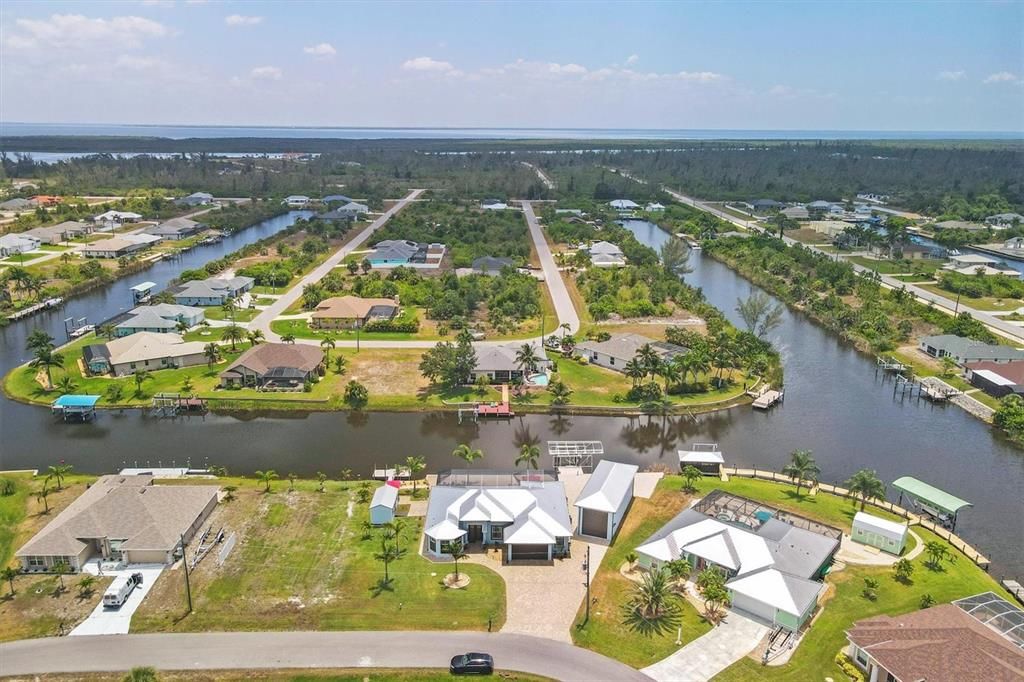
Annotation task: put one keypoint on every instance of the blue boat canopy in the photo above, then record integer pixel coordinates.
(76, 401)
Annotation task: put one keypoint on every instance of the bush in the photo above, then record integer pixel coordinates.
(849, 668)
(644, 393)
(406, 326)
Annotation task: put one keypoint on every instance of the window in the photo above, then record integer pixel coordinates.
(611, 360)
(433, 545)
(36, 561)
(497, 533)
(861, 657)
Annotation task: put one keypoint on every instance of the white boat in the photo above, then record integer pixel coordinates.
(82, 331)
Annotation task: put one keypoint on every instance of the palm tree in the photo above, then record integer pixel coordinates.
(388, 552)
(233, 333)
(212, 353)
(669, 371)
(141, 674)
(457, 549)
(415, 465)
(66, 385)
(106, 330)
(527, 358)
(181, 327)
(61, 568)
(648, 359)
(58, 472)
(635, 370)
(652, 597)
(288, 338)
(41, 496)
(559, 393)
(565, 329)
(801, 467)
(229, 308)
(115, 393)
(936, 552)
(327, 345)
(9, 573)
(85, 585)
(265, 477)
(255, 336)
(186, 385)
(47, 358)
(467, 453)
(866, 484)
(321, 478)
(140, 376)
(529, 456)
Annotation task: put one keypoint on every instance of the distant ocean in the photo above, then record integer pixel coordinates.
(8, 129)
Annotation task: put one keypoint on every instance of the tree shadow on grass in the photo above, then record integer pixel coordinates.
(663, 624)
(382, 586)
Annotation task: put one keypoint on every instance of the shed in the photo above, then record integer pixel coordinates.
(706, 457)
(383, 504)
(888, 536)
(603, 502)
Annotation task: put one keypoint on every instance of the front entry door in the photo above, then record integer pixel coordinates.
(475, 533)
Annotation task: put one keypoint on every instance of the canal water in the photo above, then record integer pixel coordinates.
(835, 406)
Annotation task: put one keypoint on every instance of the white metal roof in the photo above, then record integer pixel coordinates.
(608, 486)
(701, 457)
(997, 379)
(784, 592)
(884, 527)
(385, 496)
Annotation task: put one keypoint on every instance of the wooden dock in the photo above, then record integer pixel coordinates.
(32, 309)
(768, 399)
(1014, 588)
(394, 473)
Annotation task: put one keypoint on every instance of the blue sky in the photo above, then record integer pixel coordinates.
(813, 65)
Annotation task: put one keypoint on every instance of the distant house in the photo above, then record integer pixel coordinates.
(862, 209)
(13, 244)
(275, 366)
(159, 318)
(963, 641)
(1014, 244)
(17, 204)
(117, 217)
(47, 200)
(654, 207)
(621, 348)
(144, 351)
(601, 505)
(819, 206)
(998, 379)
(394, 252)
(114, 247)
(297, 201)
(795, 213)
(212, 291)
(120, 518)
(350, 312)
(606, 255)
(493, 205)
(960, 225)
(968, 259)
(888, 536)
(61, 232)
(1005, 219)
(829, 228)
(336, 199)
(195, 199)
(765, 205)
(624, 205)
(142, 238)
(350, 211)
(498, 363)
(384, 503)
(988, 271)
(873, 197)
(963, 350)
(176, 228)
(489, 265)
(907, 250)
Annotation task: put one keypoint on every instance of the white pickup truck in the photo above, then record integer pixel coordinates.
(117, 593)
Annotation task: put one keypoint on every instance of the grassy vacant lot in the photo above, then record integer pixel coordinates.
(843, 601)
(987, 303)
(331, 675)
(897, 267)
(302, 562)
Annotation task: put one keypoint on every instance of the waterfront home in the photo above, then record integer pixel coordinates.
(624, 205)
(604, 500)
(974, 639)
(907, 250)
(960, 225)
(499, 363)
(1001, 270)
(654, 207)
(13, 244)
(351, 312)
(819, 206)
(621, 348)
(55, 234)
(489, 265)
(998, 379)
(525, 513)
(605, 255)
(862, 210)
(195, 199)
(297, 201)
(158, 318)
(117, 217)
(275, 366)
(336, 199)
(176, 228)
(384, 503)
(391, 253)
(212, 291)
(966, 259)
(493, 205)
(762, 206)
(17, 204)
(888, 536)
(144, 350)
(115, 247)
(123, 519)
(795, 213)
(773, 561)
(1004, 219)
(963, 350)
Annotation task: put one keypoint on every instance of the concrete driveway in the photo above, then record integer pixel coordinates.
(104, 621)
(711, 653)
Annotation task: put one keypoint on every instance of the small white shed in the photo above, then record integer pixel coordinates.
(383, 504)
(888, 536)
(602, 503)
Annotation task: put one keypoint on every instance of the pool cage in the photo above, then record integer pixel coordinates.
(997, 613)
(730, 508)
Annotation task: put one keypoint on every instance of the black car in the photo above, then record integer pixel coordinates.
(472, 664)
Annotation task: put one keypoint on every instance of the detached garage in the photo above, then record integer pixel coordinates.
(604, 500)
(384, 504)
(888, 536)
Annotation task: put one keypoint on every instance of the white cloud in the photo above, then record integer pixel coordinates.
(632, 59)
(158, 3)
(77, 31)
(135, 63)
(267, 73)
(242, 20)
(781, 91)
(951, 75)
(320, 50)
(427, 64)
(1001, 77)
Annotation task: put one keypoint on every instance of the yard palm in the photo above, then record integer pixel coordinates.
(212, 353)
(233, 333)
(388, 552)
(288, 338)
(652, 597)
(801, 467)
(415, 465)
(458, 551)
(266, 477)
(648, 359)
(527, 358)
(140, 377)
(327, 345)
(9, 573)
(529, 456)
(867, 485)
(635, 370)
(47, 358)
(66, 385)
(467, 453)
(255, 336)
(186, 385)
(690, 474)
(58, 472)
(559, 393)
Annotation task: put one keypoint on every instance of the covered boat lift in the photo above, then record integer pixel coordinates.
(938, 504)
(75, 407)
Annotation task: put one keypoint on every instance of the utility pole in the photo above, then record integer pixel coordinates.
(586, 568)
(184, 562)
(956, 308)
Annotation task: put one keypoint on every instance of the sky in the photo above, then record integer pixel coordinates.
(905, 66)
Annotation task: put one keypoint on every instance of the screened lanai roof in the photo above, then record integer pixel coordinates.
(930, 494)
(997, 613)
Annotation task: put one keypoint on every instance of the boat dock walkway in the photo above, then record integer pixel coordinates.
(767, 398)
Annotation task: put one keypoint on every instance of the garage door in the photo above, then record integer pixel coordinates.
(594, 523)
(753, 607)
(525, 552)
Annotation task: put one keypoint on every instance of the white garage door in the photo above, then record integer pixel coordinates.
(765, 612)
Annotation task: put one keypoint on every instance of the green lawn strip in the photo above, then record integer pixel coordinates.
(311, 553)
(240, 314)
(12, 513)
(984, 303)
(301, 329)
(897, 267)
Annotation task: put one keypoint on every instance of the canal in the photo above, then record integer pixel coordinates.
(835, 406)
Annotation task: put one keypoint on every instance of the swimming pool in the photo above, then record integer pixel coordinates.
(539, 379)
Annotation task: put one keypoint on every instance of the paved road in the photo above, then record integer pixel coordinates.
(559, 294)
(999, 326)
(275, 650)
(263, 320)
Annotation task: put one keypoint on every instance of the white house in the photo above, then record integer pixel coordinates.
(621, 348)
(11, 244)
(654, 207)
(624, 205)
(117, 217)
(493, 205)
(384, 503)
(212, 291)
(602, 504)
(195, 199)
(606, 255)
(888, 536)
(297, 201)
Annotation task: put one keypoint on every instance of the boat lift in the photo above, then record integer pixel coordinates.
(937, 504)
(574, 453)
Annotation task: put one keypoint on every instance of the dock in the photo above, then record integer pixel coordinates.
(1014, 588)
(890, 364)
(173, 404)
(75, 408)
(392, 474)
(768, 399)
(33, 309)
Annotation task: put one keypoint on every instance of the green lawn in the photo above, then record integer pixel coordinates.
(302, 563)
(301, 329)
(987, 303)
(897, 267)
(216, 312)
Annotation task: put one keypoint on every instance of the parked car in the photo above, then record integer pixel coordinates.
(117, 594)
(472, 664)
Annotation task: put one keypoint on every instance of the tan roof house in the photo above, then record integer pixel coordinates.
(151, 351)
(348, 312)
(121, 518)
(275, 367)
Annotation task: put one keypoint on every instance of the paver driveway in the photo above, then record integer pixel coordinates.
(711, 653)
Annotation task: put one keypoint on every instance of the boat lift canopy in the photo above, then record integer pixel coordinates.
(930, 495)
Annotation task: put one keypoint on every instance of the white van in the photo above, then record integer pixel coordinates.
(118, 592)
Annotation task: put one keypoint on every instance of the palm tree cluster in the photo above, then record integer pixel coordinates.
(647, 364)
(802, 468)
(44, 353)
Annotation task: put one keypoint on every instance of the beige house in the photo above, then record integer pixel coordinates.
(121, 518)
(275, 366)
(112, 248)
(146, 351)
(829, 228)
(349, 312)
